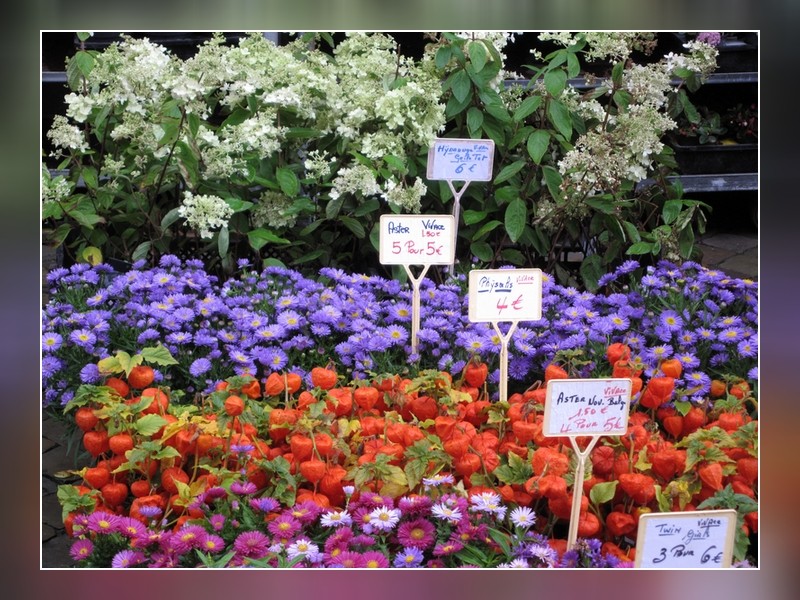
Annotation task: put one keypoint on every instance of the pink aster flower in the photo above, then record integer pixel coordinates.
(251, 544)
(284, 526)
(103, 522)
(127, 558)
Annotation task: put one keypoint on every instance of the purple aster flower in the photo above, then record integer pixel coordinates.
(265, 504)
(84, 338)
(81, 549)
(149, 511)
(251, 544)
(127, 558)
(418, 533)
(731, 334)
(274, 359)
(408, 558)
(51, 342)
(200, 366)
(712, 38)
(90, 374)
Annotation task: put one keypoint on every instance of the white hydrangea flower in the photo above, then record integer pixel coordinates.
(64, 135)
(79, 107)
(204, 213)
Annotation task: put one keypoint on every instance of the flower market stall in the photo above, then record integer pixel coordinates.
(248, 385)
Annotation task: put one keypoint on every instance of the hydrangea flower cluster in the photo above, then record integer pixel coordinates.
(278, 319)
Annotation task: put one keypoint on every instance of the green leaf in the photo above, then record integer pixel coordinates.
(455, 106)
(141, 251)
(622, 98)
(149, 424)
(353, 225)
(538, 142)
(603, 492)
(369, 205)
(486, 229)
(671, 210)
(633, 233)
(559, 116)
(474, 120)
(313, 255)
(159, 355)
(237, 117)
(89, 175)
(443, 55)
(474, 216)
(513, 256)
(505, 194)
(640, 248)
(527, 107)
(686, 242)
(573, 65)
(288, 181)
(460, 84)
(515, 219)
(258, 238)
(603, 204)
(237, 204)
(88, 220)
(591, 270)
(555, 82)
(552, 179)
(223, 241)
(333, 207)
(617, 72)
(302, 133)
(477, 54)
(169, 218)
(509, 171)
(482, 251)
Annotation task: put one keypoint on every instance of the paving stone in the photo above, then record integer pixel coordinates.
(732, 242)
(48, 533)
(55, 553)
(713, 256)
(745, 266)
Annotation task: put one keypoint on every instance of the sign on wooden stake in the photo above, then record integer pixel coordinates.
(416, 240)
(498, 295)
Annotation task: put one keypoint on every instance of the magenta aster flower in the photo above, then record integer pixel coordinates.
(347, 559)
(284, 527)
(244, 488)
(103, 522)
(211, 543)
(127, 558)
(251, 544)
(130, 527)
(81, 549)
(188, 537)
(418, 533)
(447, 548)
(375, 560)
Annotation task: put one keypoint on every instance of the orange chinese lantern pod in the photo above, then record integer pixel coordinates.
(366, 397)
(554, 371)
(617, 351)
(274, 384)
(476, 372)
(234, 406)
(252, 389)
(718, 388)
(313, 469)
(620, 523)
(323, 378)
(671, 367)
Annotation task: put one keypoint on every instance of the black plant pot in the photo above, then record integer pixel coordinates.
(702, 159)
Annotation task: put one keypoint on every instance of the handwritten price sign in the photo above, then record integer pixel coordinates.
(505, 295)
(417, 240)
(461, 159)
(582, 407)
(686, 540)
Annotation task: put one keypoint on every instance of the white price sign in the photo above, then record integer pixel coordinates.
(686, 540)
(584, 407)
(461, 159)
(497, 295)
(417, 239)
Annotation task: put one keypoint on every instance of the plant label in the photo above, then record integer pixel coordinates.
(417, 240)
(686, 540)
(461, 159)
(585, 407)
(497, 295)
